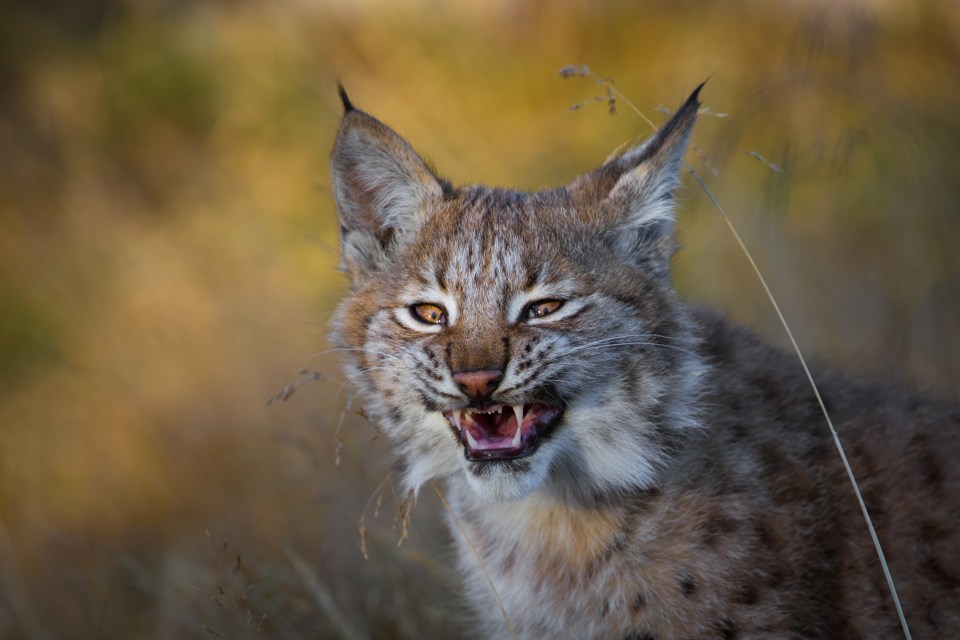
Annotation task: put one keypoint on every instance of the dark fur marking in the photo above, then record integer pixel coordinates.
(531, 280)
(864, 462)
(509, 562)
(772, 460)
(933, 531)
(715, 530)
(738, 431)
(400, 467)
(794, 492)
(440, 392)
(633, 301)
(394, 320)
(930, 467)
(769, 387)
(776, 578)
(819, 449)
(638, 603)
(428, 404)
(747, 595)
(931, 565)
(630, 381)
(763, 534)
(436, 377)
(727, 630)
(445, 185)
(616, 545)
(481, 469)
(688, 586)
(365, 325)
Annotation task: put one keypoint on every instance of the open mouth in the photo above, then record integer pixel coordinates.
(501, 431)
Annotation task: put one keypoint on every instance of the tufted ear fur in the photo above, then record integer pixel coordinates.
(383, 191)
(631, 195)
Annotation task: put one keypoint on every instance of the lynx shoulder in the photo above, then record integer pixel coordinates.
(626, 464)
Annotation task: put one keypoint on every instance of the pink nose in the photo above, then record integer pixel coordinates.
(478, 384)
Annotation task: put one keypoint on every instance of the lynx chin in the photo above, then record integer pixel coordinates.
(628, 465)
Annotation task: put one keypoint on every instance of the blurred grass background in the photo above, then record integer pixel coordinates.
(168, 253)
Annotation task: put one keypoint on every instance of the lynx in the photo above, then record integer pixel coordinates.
(627, 465)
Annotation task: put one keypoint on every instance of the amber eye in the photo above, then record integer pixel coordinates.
(542, 308)
(429, 313)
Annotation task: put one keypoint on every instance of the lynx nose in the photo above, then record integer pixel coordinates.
(478, 385)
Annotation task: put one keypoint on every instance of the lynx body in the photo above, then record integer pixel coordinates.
(626, 465)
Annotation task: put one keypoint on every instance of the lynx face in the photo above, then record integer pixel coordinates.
(506, 338)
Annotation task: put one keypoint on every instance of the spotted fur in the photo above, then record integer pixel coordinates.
(690, 488)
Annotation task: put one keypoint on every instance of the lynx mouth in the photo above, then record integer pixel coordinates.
(501, 431)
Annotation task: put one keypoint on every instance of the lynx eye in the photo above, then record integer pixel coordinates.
(542, 308)
(429, 313)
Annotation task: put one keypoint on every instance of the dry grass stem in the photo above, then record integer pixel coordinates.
(306, 375)
(823, 408)
(796, 348)
(403, 515)
(323, 596)
(476, 555)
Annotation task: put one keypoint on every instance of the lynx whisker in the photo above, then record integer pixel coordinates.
(364, 371)
(383, 354)
(622, 341)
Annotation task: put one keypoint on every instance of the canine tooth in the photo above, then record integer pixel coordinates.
(470, 440)
(518, 411)
(456, 418)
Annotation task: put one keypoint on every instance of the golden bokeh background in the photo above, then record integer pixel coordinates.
(168, 263)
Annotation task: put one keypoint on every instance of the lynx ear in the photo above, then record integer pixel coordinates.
(632, 194)
(383, 191)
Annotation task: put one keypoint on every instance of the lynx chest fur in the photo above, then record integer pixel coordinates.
(625, 464)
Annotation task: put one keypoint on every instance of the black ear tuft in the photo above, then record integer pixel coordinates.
(682, 119)
(345, 99)
(695, 96)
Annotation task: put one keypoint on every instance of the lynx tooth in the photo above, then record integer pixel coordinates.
(471, 440)
(518, 411)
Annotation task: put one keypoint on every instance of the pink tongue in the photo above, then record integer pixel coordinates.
(492, 430)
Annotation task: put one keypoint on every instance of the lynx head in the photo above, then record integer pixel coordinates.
(517, 341)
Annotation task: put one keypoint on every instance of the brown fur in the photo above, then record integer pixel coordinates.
(691, 488)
